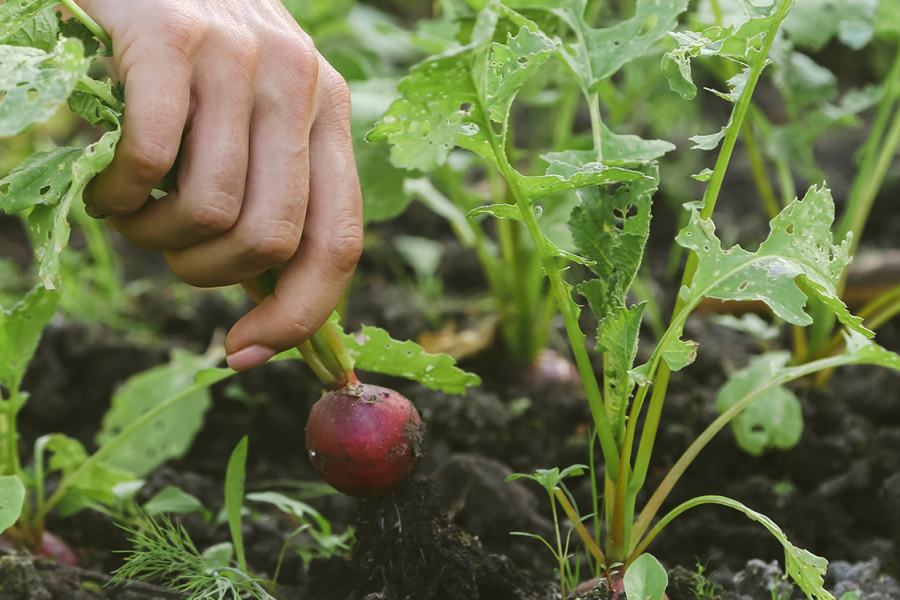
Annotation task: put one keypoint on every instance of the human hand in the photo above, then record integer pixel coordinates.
(266, 173)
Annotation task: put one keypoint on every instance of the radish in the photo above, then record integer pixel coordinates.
(364, 440)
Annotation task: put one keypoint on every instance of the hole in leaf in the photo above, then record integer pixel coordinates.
(33, 95)
(743, 286)
(790, 229)
(44, 190)
(465, 106)
(4, 189)
(523, 60)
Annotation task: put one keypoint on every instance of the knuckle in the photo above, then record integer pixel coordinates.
(273, 243)
(215, 214)
(149, 160)
(344, 246)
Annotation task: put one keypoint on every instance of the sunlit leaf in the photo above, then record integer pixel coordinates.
(798, 252)
(646, 579)
(18, 14)
(373, 349)
(36, 82)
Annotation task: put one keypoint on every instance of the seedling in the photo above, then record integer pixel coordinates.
(463, 98)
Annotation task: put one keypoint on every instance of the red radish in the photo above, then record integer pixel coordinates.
(363, 440)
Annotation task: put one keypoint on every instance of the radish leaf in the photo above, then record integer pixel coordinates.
(378, 352)
(775, 419)
(20, 331)
(12, 498)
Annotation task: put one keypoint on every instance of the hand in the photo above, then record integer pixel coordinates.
(266, 172)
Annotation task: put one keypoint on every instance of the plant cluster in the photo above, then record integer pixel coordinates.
(553, 227)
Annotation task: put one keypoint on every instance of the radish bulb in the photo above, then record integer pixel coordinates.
(364, 440)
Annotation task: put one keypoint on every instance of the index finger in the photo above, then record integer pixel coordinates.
(157, 92)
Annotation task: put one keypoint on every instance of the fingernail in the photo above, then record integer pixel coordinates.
(93, 212)
(249, 357)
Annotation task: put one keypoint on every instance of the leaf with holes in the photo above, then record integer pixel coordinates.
(36, 82)
(444, 99)
(20, 331)
(611, 230)
(18, 14)
(796, 260)
(775, 419)
(373, 349)
(170, 434)
(40, 31)
(49, 225)
(43, 179)
(597, 54)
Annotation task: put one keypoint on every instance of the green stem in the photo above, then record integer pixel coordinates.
(86, 83)
(565, 118)
(691, 453)
(12, 450)
(564, 300)
(88, 22)
(589, 543)
(760, 175)
(866, 184)
(560, 555)
(596, 124)
(325, 351)
(654, 411)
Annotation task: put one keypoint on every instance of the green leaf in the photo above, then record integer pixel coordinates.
(646, 579)
(12, 499)
(378, 352)
(36, 82)
(169, 435)
(812, 23)
(300, 510)
(90, 108)
(425, 192)
(775, 419)
(172, 499)
(510, 67)
(561, 176)
(680, 353)
(49, 224)
(41, 31)
(234, 499)
(95, 483)
(737, 42)
(611, 230)
(16, 15)
(618, 150)
(798, 252)
(422, 254)
(618, 336)
(42, 180)
(597, 54)
(20, 331)
(73, 28)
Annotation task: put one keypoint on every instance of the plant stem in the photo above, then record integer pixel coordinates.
(324, 352)
(661, 382)
(690, 454)
(589, 543)
(566, 304)
(560, 554)
(88, 22)
(760, 175)
(596, 125)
